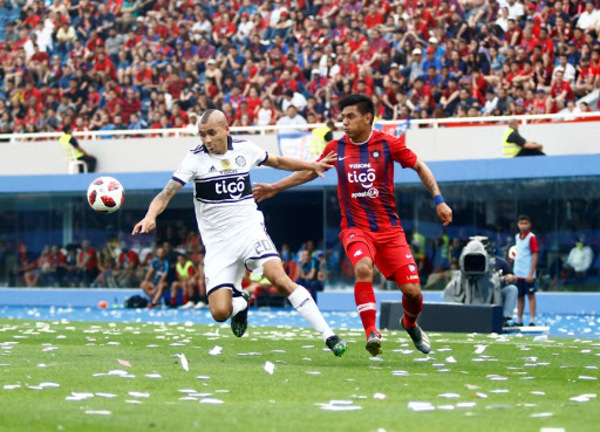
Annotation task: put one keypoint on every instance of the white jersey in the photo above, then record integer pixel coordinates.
(222, 189)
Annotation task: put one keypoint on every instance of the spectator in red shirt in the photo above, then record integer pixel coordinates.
(104, 68)
(421, 96)
(87, 262)
(586, 78)
(130, 105)
(373, 18)
(560, 91)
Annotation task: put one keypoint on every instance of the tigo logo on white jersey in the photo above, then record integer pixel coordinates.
(235, 188)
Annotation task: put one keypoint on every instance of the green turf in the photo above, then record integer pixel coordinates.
(286, 400)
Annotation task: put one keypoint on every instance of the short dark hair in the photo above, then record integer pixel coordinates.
(66, 128)
(363, 103)
(523, 217)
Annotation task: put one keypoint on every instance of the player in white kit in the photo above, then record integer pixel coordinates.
(232, 227)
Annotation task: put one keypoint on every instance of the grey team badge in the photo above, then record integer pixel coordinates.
(240, 161)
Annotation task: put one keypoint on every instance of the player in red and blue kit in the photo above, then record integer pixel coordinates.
(371, 230)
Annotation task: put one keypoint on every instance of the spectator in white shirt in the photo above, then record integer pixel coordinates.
(491, 103)
(291, 117)
(502, 20)
(567, 68)
(589, 18)
(580, 258)
(291, 97)
(515, 8)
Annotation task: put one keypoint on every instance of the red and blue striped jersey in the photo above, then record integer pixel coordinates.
(366, 179)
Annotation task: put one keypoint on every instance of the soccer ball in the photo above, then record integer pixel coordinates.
(105, 195)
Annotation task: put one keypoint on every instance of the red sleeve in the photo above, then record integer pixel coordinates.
(401, 153)
(191, 270)
(533, 244)
(330, 147)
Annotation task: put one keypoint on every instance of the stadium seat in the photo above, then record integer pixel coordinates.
(73, 163)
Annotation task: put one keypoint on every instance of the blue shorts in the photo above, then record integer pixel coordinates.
(525, 287)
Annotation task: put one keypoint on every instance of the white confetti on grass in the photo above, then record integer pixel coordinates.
(449, 395)
(34, 387)
(339, 405)
(480, 349)
(153, 375)
(587, 378)
(211, 401)
(49, 385)
(418, 406)
(216, 350)
(98, 412)
(203, 377)
(450, 359)
(269, 367)
(541, 415)
(11, 386)
(583, 398)
(379, 396)
(183, 361)
(136, 394)
(106, 395)
(326, 407)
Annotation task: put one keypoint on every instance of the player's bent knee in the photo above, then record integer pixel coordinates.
(411, 291)
(363, 270)
(220, 314)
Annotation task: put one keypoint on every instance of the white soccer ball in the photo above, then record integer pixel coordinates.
(105, 195)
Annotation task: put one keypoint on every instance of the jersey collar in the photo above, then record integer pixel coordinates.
(522, 236)
(361, 143)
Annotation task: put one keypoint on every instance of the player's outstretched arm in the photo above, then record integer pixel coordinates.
(306, 171)
(157, 206)
(291, 164)
(263, 191)
(443, 210)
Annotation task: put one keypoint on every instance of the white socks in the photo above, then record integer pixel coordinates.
(239, 304)
(306, 306)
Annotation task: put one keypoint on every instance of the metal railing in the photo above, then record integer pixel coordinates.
(264, 130)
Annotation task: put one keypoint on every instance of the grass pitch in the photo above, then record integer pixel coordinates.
(66, 376)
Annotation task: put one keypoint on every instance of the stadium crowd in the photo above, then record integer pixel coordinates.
(174, 262)
(128, 64)
(125, 263)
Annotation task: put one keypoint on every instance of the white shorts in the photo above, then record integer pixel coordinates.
(226, 262)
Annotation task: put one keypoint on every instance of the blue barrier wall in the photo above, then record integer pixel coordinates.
(558, 303)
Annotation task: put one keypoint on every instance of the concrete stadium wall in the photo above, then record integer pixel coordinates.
(136, 155)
